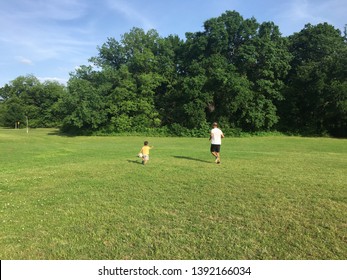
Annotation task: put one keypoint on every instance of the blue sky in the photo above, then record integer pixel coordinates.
(50, 38)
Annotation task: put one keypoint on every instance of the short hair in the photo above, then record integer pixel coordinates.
(145, 143)
(215, 124)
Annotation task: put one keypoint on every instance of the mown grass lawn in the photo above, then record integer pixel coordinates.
(90, 198)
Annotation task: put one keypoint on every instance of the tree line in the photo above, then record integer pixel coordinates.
(239, 72)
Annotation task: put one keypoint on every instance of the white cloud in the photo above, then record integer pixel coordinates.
(44, 34)
(295, 14)
(305, 10)
(40, 29)
(24, 60)
(132, 14)
(34, 10)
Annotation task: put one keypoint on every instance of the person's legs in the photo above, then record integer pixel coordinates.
(214, 154)
(145, 158)
(218, 158)
(215, 151)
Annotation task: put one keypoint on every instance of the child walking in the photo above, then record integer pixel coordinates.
(145, 152)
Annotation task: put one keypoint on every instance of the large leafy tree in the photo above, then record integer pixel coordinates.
(316, 91)
(242, 65)
(12, 112)
(26, 97)
(119, 95)
(265, 60)
(83, 106)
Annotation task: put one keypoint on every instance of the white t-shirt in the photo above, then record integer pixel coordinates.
(216, 134)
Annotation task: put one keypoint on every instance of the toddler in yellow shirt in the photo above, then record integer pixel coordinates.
(145, 152)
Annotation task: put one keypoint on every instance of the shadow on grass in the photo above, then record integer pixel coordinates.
(66, 134)
(134, 161)
(193, 159)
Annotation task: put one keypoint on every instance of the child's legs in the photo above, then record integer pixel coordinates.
(145, 158)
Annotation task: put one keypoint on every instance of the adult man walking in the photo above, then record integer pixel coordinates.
(216, 136)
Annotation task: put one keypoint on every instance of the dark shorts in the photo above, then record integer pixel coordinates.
(215, 148)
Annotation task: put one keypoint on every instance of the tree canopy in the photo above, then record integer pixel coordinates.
(239, 72)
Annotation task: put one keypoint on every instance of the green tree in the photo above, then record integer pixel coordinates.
(12, 111)
(30, 98)
(142, 71)
(83, 106)
(315, 97)
(244, 64)
(265, 60)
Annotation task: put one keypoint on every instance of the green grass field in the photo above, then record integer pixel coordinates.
(90, 198)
